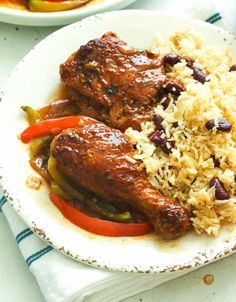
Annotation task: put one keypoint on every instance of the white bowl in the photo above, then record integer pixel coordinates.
(28, 18)
(31, 82)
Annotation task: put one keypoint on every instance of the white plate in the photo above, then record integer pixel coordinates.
(31, 82)
(27, 18)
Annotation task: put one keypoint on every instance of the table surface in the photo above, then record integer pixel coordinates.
(18, 284)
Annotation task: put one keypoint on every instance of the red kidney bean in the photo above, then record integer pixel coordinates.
(215, 161)
(160, 140)
(171, 59)
(173, 87)
(210, 124)
(190, 62)
(198, 75)
(221, 125)
(158, 121)
(220, 192)
(175, 124)
(233, 68)
(165, 102)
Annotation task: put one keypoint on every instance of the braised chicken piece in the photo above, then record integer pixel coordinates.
(112, 82)
(100, 160)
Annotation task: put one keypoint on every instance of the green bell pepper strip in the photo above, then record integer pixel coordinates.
(55, 188)
(60, 180)
(38, 143)
(98, 207)
(32, 115)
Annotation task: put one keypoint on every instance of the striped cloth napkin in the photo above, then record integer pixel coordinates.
(62, 279)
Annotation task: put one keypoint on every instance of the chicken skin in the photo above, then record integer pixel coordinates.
(100, 160)
(112, 82)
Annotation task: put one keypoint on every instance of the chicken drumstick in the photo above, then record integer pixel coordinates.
(99, 160)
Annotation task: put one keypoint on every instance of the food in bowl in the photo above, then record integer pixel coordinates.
(167, 111)
(44, 5)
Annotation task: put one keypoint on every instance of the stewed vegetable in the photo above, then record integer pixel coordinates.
(88, 212)
(54, 5)
(44, 5)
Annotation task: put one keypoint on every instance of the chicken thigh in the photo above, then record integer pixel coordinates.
(112, 82)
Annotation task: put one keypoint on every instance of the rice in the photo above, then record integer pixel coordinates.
(186, 172)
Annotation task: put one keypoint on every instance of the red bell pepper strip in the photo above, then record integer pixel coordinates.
(99, 226)
(53, 126)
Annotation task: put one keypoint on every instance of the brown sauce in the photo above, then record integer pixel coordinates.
(208, 279)
(60, 93)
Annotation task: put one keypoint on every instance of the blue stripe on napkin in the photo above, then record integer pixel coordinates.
(22, 235)
(214, 18)
(38, 255)
(2, 202)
